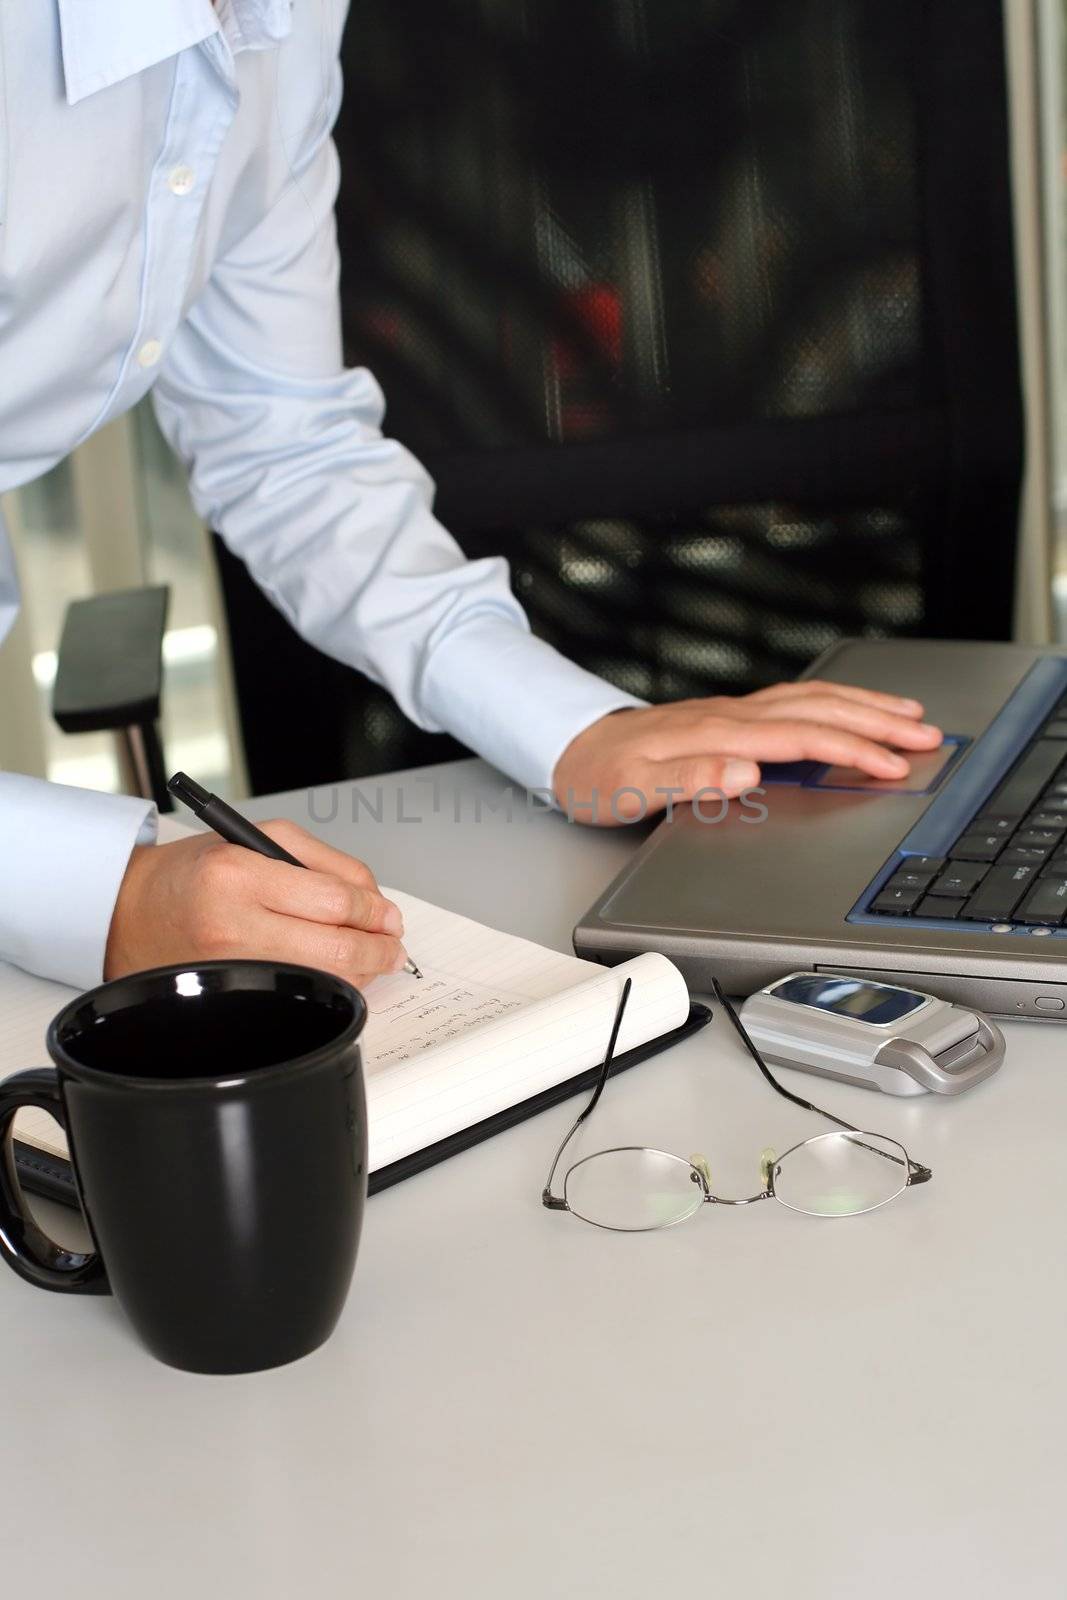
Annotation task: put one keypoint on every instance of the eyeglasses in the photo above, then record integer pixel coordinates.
(632, 1188)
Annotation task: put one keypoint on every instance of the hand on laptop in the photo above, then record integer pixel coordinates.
(718, 743)
(201, 899)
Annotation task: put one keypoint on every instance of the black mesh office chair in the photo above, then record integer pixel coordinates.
(700, 311)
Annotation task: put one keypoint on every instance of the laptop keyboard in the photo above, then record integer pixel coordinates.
(1009, 865)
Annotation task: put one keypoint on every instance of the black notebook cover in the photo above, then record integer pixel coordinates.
(51, 1177)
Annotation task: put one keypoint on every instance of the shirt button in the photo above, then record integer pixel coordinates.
(150, 352)
(181, 180)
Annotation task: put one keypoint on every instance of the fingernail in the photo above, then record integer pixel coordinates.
(928, 727)
(898, 766)
(740, 774)
(393, 922)
(911, 705)
(401, 961)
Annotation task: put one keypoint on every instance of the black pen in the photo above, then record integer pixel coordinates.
(235, 829)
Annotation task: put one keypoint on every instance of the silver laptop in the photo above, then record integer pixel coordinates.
(953, 880)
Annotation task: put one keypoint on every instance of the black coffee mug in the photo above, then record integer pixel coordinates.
(218, 1134)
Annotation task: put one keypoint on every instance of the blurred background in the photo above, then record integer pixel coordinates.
(742, 267)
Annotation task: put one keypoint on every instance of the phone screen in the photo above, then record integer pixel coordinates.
(849, 997)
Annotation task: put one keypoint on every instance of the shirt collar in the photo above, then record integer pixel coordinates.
(105, 41)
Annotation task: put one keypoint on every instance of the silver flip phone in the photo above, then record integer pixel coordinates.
(872, 1034)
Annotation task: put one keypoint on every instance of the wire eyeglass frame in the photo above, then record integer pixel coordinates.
(699, 1170)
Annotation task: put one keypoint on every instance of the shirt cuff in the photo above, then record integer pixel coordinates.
(63, 854)
(513, 698)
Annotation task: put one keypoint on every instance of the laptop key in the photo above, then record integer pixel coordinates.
(1045, 903)
(998, 894)
(1056, 729)
(977, 847)
(1017, 793)
(960, 878)
(923, 863)
(1055, 821)
(1053, 803)
(939, 906)
(994, 824)
(906, 878)
(1023, 855)
(896, 901)
(1039, 836)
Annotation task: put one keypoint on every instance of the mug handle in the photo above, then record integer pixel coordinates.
(32, 1254)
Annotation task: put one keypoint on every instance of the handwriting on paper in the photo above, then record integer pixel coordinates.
(408, 1015)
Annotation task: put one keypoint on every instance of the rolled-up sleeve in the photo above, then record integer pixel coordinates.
(287, 460)
(63, 854)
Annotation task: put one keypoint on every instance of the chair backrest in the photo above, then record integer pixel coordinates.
(700, 311)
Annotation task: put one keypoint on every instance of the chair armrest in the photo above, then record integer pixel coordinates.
(110, 669)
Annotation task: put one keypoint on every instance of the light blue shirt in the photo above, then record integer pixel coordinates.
(167, 180)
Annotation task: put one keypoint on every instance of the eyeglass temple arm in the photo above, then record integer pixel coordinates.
(557, 1202)
(916, 1172)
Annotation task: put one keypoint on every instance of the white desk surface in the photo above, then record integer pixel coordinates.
(753, 1404)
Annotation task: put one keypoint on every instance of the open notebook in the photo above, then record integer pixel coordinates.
(495, 1029)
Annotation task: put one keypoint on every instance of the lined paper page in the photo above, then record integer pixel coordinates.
(494, 1020)
(447, 1088)
(471, 976)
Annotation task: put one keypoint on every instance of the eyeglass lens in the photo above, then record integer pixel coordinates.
(632, 1190)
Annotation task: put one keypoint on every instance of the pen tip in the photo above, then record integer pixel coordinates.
(412, 969)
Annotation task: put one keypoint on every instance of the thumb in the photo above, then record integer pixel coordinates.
(682, 777)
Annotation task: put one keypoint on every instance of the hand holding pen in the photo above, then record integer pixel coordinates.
(235, 829)
(202, 898)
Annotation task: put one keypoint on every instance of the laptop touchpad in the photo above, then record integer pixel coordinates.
(928, 767)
